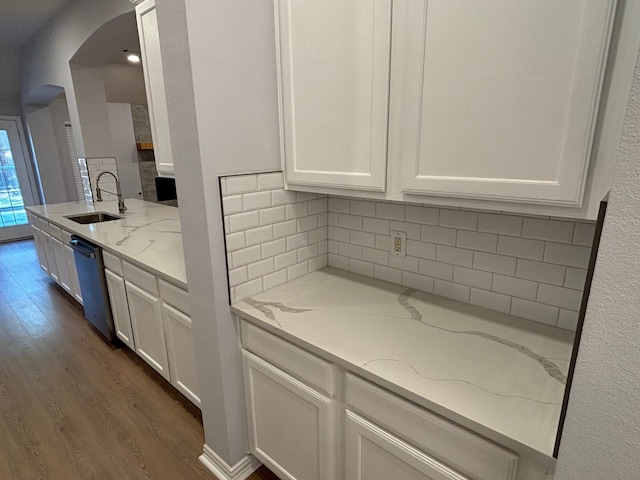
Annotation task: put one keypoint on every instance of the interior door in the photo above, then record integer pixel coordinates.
(16, 185)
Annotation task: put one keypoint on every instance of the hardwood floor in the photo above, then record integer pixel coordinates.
(74, 407)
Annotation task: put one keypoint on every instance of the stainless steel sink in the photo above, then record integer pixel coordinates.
(96, 217)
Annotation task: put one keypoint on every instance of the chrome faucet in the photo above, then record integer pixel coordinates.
(121, 207)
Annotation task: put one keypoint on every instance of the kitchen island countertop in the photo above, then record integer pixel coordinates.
(498, 375)
(147, 234)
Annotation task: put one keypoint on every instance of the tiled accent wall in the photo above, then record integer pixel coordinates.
(530, 267)
(90, 168)
(272, 235)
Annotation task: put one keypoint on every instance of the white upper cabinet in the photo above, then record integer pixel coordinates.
(154, 86)
(497, 99)
(333, 69)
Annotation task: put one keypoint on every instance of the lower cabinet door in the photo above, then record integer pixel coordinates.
(120, 308)
(290, 424)
(75, 281)
(182, 360)
(146, 319)
(40, 248)
(374, 454)
(51, 255)
(64, 274)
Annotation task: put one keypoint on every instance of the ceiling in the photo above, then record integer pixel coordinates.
(20, 19)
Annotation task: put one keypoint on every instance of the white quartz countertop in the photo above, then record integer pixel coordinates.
(148, 234)
(498, 375)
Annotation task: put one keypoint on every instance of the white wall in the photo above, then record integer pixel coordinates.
(220, 78)
(601, 438)
(124, 83)
(124, 149)
(9, 81)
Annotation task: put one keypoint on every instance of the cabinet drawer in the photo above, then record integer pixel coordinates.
(457, 447)
(66, 237)
(42, 224)
(55, 231)
(112, 262)
(139, 277)
(306, 367)
(174, 296)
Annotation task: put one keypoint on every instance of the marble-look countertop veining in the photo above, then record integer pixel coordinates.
(495, 374)
(147, 234)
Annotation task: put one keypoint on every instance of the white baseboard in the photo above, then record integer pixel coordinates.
(240, 471)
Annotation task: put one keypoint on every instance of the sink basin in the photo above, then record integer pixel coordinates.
(96, 217)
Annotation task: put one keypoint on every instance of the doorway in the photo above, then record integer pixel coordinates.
(15, 186)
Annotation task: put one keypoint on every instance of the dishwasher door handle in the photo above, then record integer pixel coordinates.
(81, 249)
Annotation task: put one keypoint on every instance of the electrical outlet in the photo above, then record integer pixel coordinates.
(399, 244)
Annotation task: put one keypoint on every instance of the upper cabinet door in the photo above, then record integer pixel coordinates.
(333, 69)
(154, 85)
(497, 99)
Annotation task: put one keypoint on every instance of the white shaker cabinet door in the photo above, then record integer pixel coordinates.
(180, 349)
(40, 248)
(290, 424)
(75, 281)
(333, 70)
(47, 240)
(497, 99)
(146, 319)
(120, 308)
(374, 454)
(62, 264)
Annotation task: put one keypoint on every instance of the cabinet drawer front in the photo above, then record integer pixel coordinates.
(374, 454)
(112, 262)
(55, 231)
(463, 450)
(290, 424)
(139, 277)
(293, 360)
(42, 224)
(174, 296)
(66, 237)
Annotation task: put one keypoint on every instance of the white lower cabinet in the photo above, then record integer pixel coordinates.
(62, 264)
(75, 281)
(40, 248)
(374, 454)
(145, 310)
(120, 308)
(182, 359)
(51, 255)
(290, 424)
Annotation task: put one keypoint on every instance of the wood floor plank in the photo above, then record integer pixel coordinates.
(72, 406)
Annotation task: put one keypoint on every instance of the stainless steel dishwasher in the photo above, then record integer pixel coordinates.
(93, 285)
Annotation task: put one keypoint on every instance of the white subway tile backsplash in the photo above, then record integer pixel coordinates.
(421, 249)
(433, 269)
(243, 221)
(500, 224)
(484, 242)
(521, 247)
(352, 222)
(452, 290)
(422, 215)
(537, 312)
(391, 211)
(570, 255)
(491, 300)
(363, 239)
(269, 216)
(575, 278)
(270, 181)
(533, 267)
(473, 278)
(376, 225)
(456, 256)
(387, 274)
(256, 200)
(261, 268)
(360, 267)
(559, 297)
(241, 184)
(515, 287)
(494, 263)
(439, 235)
(540, 272)
(460, 219)
(418, 282)
(259, 235)
(583, 234)
(363, 208)
(550, 230)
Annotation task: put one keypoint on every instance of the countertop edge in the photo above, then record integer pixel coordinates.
(423, 402)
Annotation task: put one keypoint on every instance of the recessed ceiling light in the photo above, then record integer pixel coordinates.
(133, 58)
